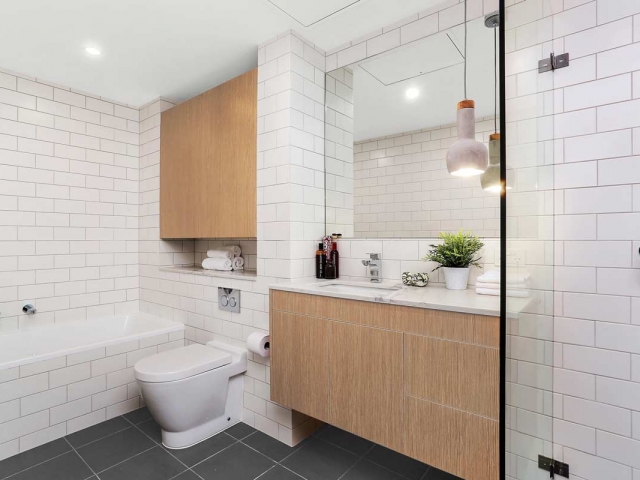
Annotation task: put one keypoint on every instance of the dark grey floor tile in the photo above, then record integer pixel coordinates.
(98, 431)
(154, 464)
(346, 440)
(65, 467)
(188, 475)
(152, 429)
(237, 462)
(365, 470)
(280, 473)
(138, 416)
(435, 474)
(269, 446)
(240, 430)
(396, 462)
(114, 449)
(32, 457)
(319, 460)
(192, 455)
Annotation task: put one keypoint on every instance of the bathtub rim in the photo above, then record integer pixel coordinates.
(172, 327)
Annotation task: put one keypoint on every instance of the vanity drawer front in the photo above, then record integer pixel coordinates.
(300, 363)
(366, 382)
(460, 327)
(463, 376)
(457, 442)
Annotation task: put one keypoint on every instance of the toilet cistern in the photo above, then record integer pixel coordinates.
(375, 269)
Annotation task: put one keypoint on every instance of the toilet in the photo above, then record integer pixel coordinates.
(193, 392)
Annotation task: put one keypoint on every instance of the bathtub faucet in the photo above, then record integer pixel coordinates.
(29, 309)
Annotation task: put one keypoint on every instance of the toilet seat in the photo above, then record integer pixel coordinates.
(180, 363)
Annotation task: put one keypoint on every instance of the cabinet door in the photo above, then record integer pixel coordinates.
(300, 363)
(366, 382)
(208, 163)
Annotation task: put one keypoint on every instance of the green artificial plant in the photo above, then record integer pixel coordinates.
(457, 250)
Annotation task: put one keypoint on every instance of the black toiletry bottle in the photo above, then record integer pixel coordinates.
(330, 270)
(321, 261)
(335, 257)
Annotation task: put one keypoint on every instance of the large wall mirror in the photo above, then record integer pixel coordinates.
(389, 122)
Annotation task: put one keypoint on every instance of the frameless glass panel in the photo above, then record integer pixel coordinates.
(530, 156)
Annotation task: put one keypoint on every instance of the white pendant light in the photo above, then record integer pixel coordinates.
(467, 157)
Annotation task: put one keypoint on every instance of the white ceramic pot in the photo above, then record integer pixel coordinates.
(456, 278)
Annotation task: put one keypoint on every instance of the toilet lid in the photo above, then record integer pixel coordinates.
(180, 363)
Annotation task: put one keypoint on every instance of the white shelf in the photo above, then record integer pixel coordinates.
(250, 275)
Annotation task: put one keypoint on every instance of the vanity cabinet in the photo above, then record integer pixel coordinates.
(365, 396)
(208, 151)
(422, 382)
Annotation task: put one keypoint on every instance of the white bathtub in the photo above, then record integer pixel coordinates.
(29, 346)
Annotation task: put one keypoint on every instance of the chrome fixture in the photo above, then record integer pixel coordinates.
(374, 267)
(29, 309)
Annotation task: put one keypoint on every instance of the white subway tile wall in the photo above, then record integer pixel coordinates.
(42, 401)
(591, 298)
(403, 188)
(69, 182)
(339, 149)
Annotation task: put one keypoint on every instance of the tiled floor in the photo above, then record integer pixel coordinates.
(128, 448)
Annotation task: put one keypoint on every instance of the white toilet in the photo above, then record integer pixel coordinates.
(193, 392)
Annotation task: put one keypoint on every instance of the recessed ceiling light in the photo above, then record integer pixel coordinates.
(92, 51)
(412, 93)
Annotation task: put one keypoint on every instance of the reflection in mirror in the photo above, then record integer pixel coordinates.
(389, 122)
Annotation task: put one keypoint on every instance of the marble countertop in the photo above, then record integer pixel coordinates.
(435, 297)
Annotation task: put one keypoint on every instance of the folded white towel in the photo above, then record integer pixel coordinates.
(520, 285)
(228, 251)
(493, 276)
(496, 292)
(224, 264)
(238, 263)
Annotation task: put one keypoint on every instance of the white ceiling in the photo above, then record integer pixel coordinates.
(381, 110)
(170, 48)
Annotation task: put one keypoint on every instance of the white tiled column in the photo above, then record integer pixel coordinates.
(290, 156)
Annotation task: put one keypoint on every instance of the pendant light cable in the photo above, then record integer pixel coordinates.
(495, 79)
(465, 50)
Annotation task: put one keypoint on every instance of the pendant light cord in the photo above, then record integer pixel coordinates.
(495, 79)
(465, 50)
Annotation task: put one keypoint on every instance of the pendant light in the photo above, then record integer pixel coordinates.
(490, 179)
(467, 157)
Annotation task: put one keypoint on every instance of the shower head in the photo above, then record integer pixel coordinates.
(492, 20)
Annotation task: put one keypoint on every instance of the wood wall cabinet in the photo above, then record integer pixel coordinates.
(421, 382)
(208, 151)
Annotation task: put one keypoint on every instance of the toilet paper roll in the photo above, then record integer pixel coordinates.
(258, 343)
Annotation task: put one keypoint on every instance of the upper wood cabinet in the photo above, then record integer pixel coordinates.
(208, 151)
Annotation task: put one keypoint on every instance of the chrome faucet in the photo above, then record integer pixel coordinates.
(375, 269)
(29, 309)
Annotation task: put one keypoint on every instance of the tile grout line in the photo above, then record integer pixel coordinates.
(80, 457)
(35, 465)
(162, 447)
(362, 457)
(126, 460)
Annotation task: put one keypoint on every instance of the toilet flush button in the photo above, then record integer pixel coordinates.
(229, 300)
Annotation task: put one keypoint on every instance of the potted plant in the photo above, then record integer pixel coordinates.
(455, 255)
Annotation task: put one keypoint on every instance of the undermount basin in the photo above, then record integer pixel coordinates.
(371, 289)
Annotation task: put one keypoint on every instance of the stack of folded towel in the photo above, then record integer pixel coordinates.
(224, 258)
(518, 284)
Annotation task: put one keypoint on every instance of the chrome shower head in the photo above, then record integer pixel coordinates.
(492, 20)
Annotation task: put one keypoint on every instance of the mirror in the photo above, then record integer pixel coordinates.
(389, 121)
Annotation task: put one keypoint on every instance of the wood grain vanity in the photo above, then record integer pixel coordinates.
(422, 382)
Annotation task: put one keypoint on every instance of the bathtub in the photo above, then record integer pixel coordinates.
(30, 346)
